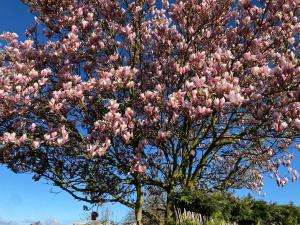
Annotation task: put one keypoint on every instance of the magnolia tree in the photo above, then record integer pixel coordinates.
(107, 98)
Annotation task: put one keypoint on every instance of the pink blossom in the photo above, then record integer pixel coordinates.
(140, 169)
(165, 3)
(9, 36)
(219, 103)
(279, 127)
(151, 2)
(129, 113)
(28, 44)
(33, 73)
(173, 102)
(127, 135)
(9, 137)
(101, 44)
(22, 139)
(284, 181)
(297, 123)
(84, 23)
(162, 135)
(45, 72)
(255, 70)
(198, 82)
(91, 148)
(235, 98)
(36, 144)
(100, 151)
(47, 137)
(113, 105)
(18, 88)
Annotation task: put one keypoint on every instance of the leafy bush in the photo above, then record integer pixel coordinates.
(246, 211)
(191, 218)
(188, 222)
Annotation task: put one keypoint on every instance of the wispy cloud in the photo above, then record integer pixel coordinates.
(49, 221)
(52, 221)
(7, 222)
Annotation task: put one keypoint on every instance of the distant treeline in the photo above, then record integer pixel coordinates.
(243, 211)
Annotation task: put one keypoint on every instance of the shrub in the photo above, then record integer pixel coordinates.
(223, 207)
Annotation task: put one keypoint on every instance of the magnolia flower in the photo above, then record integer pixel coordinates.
(113, 105)
(84, 23)
(137, 167)
(278, 179)
(295, 175)
(140, 168)
(9, 137)
(198, 82)
(100, 151)
(22, 139)
(33, 73)
(101, 44)
(60, 141)
(9, 36)
(219, 103)
(297, 123)
(280, 126)
(173, 102)
(28, 44)
(165, 3)
(18, 88)
(36, 144)
(129, 113)
(151, 2)
(235, 98)
(255, 70)
(283, 125)
(127, 135)
(47, 137)
(284, 181)
(189, 85)
(91, 148)
(162, 135)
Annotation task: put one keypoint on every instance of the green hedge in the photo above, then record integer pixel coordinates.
(245, 211)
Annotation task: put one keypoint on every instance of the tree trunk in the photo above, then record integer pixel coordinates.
(139, 205)
(169, 209)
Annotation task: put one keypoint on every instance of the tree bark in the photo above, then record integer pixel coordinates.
(139, 205)
(169, 209)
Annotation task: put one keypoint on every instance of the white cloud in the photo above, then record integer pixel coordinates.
(49, 221)
(52, 221)
(7, 222)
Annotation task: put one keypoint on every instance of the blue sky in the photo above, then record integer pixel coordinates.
(23, 201)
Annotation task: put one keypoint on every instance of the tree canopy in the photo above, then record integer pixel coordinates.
(106, 98)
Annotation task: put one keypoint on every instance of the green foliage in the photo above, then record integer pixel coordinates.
(171, 222)
(188, 222)
(192, 218)
(246, 211)
(207, 204)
